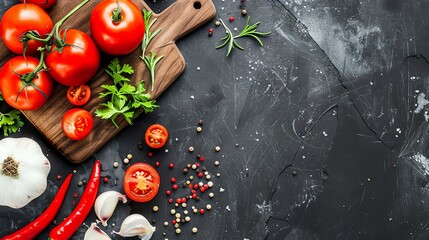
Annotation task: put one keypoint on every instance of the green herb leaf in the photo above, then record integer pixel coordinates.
(10, 122)
(248, 31)
(125, 99)
(115, 70)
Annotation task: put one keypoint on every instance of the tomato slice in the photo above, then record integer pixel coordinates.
(141, 182)
(156, 136)
(79, 95)
(77, 123)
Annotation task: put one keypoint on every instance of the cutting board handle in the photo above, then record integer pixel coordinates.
(182, 17)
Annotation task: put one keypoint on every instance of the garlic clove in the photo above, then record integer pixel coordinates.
(94, 232)
(136, 225)
(106, 203)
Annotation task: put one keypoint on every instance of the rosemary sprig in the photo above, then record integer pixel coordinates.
(150, 60)
(148, 36)
(248, 31)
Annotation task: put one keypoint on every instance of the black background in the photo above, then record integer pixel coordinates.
(331, 96)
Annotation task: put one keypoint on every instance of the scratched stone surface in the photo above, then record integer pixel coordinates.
(330, 118)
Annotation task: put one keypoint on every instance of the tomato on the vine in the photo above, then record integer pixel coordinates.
(41, 3)
(117, 26)
(156, 136)
(77, 123)
(20, 19)
(19, 89)
(79, 95)
(141, 182)
(76, 62)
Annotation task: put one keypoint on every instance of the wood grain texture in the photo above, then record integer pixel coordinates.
(176, 21)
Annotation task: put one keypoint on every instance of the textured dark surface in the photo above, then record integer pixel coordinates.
(332, 97)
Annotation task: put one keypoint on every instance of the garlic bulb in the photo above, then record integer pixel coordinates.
(94, 232)
(106, 204)
(24, 171)
(136, 225)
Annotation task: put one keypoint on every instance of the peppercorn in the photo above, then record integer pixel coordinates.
(217, 23)
(173, 180)
(178, 231)
(191, 149)
(294, 173)
(74, 171)
(126, 160)
(194, 230)
(175, 186)
(200, 174)
(201, 211)
(129, 156)
(150, 154)
(231, 18)
(211, 195)
(170, 200)
(155, 208)
(168, 192)
(201, 122)
(157, 164)
(183, 204)
(59, 177)
(185, 171)
(165, 223)
(153, 221)
(80, 183)
(188, 165)
(208, 206)
(115, 164)
(199, 129)
(105, 180)
(172, 211)
(217, 148)
(243, 12)
(177, 215)
(184, 185)
(173, 222)
(171, 165)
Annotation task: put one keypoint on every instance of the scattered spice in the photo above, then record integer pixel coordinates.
(191, 149)
(105, 179)
(126, 160)
(178, 231)
(217, 149)
(231, 19)
(199, 129)
(59, 177)
(129, 156)
(157, 164)
(171, 165)
(155, 209)
(173, 180)
(216, 163)
(150, 154)
(244, 12)
(200, 122)
(115, 164)
(194, 230)
(217, 23)
(165, 223)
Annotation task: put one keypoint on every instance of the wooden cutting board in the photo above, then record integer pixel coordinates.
(176, 21)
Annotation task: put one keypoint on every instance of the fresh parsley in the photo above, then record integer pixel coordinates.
(125, 99)
(10, 122)
(150, 60)
(248, 31)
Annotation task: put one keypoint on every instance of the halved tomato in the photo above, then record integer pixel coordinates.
(141, 182)
(77, 123)
(156, 136)
(79, 95)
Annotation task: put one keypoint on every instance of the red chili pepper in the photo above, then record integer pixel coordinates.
(37, 225)
(72, 223)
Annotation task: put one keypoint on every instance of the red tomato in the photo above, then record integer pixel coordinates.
(75, 63)
(79, 95)
(16, 91)
(41, 3)
(141, 182)
(121, 36)
(156, 136)
(77, 123)
(20, 19)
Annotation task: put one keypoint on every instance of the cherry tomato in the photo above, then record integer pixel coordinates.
(77, 123)
(156, 136)
(75, 63)
(20, 19)
(79, 95)
(117, 35)
(16, 91)
(41, 3)
(141, 182)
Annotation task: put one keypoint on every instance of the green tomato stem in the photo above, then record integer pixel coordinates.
(117, 14)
